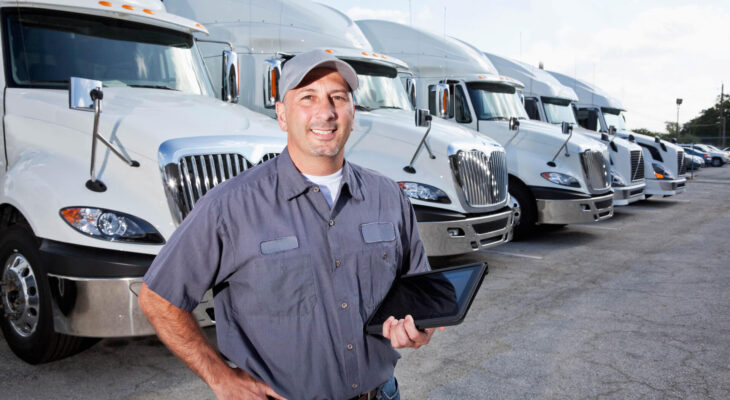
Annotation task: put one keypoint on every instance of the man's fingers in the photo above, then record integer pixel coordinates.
(386, 327)
(413, 333)
(271, 393)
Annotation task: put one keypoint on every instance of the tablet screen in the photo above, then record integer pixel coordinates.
(435, 295)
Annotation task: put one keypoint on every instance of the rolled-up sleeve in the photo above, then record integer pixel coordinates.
(414, 255)
(187, 265)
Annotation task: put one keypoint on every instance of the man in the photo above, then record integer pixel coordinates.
(299, 251)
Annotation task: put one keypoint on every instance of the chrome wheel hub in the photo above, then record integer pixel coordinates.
(516, 210)
(20, 295)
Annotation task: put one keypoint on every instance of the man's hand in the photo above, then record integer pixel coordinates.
(240, 385)
(403, 333)
(180, 332)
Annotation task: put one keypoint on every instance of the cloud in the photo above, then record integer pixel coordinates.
(659, 55)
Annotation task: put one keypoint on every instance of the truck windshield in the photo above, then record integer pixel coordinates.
(495, 102)
(614, 118)
(379, 87)
(558, 111)
(46, 48)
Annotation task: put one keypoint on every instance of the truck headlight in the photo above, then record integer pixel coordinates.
(661, 172)
(617, 180)
(424, 192)
(111, 225)
(561, 179)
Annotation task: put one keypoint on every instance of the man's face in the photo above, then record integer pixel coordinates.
(317, 115)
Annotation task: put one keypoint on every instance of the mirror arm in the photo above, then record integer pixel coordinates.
(564, 145)
(94, 184)
(513, 123)
(409, 168)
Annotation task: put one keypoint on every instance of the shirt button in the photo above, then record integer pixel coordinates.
(349, 347)
(343, 305)
(385, 255)
(315, 189)
(332, 222)
(338, 263)
(354, 385)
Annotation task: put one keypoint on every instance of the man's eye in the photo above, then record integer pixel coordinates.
(339, 98)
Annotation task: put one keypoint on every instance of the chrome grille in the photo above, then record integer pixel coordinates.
(481, 178)
(681, 165)
(595, 169)
(637, 165)
(194, 175)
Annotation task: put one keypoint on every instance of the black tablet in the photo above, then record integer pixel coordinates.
(434, 298)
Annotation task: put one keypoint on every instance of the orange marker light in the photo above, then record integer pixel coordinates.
(72, 215)
(127, 7)
(273, 84)
(149, 11)
(445, 106)
(105, 3)
(200, 26)
(329, 51)
(365, 54)
(375, 55)
(658, 175)
(383, 57)
(481, 77)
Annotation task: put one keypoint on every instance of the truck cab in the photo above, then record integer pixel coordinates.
(455, 178)
(111, 133)
(664, 166)
(549, 101)
(555, 177)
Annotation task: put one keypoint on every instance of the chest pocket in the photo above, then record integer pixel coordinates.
(279, 284)
(377, 263)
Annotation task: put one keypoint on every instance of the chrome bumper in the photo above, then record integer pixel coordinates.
(662, 187)
(463, 236)
(105, 307)
(625, 195)
(575, 211)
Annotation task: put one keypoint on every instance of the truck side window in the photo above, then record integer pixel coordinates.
(587, 118)
(531, 108)
(461, 107)
(431, 100)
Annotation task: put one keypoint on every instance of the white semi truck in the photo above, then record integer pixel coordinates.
(664, 166)
(456, 179)
(110, 134)
(554, 176)
(548, 100)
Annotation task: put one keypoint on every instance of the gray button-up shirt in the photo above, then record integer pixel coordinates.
(294, 280)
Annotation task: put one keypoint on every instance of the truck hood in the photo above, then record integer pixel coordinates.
(398, 126)
(552, 137)
(138, 120)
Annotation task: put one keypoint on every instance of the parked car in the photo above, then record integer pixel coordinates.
(694, 162)
(706, 157)
(718, 157)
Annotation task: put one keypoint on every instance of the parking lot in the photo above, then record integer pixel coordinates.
(636, 307)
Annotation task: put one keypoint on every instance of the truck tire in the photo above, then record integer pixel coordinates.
(716, 162)
(527, 218)
(27, 319)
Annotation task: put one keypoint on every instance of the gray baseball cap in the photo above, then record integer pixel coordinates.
(297, 68)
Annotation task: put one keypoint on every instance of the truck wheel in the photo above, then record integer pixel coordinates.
(527, 217)
(27, 320)
(716, 162)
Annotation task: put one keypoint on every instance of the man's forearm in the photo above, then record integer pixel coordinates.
(181, 333)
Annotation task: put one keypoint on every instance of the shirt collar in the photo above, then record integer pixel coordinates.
(292, 183)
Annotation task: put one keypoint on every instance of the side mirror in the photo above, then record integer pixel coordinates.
(514, 124)
(443, 97)
(566, 127)
(674, 140)
(230, 77)
(604, 137)
(657, 140)
(423, 117)
(612, 130)
(271, 82)
(411, 90)
(632, 139)
(79, 93)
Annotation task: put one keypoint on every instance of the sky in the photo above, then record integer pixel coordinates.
(647, 53)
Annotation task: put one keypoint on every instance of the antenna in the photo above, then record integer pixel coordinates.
(410, 12)
(520, 45)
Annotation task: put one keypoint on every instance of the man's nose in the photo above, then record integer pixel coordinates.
(326, 110)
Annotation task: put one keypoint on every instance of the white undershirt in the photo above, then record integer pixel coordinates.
(328, 184)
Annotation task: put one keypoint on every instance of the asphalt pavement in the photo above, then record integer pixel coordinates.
(635, 307)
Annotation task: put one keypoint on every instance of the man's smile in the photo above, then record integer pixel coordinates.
(324, 133)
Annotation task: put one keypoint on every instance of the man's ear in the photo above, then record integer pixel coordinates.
(281, 115)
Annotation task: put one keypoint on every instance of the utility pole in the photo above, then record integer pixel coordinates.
(722, 113)
(679, 103)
